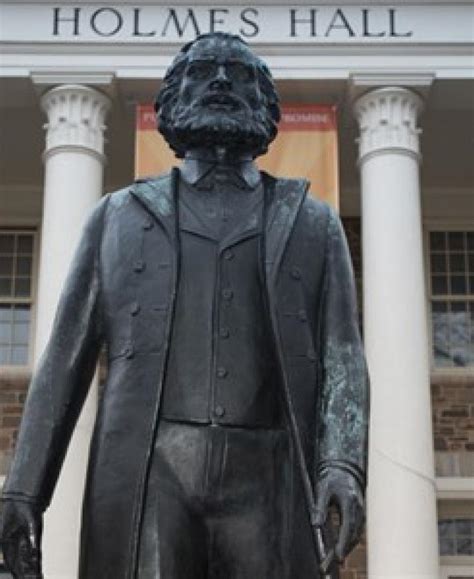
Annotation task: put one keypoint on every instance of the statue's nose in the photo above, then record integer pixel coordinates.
(221, 80)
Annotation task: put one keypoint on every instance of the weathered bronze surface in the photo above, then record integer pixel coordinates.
(236, 403)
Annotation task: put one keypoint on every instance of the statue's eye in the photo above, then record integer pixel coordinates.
(240, 72)
(201, 70)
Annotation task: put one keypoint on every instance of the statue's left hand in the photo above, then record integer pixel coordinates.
(20, 537)
(336, 486)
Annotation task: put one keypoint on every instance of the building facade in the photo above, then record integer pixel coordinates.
(401, 75)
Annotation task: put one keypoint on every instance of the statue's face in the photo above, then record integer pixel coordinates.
(220, 80)
(219, 102)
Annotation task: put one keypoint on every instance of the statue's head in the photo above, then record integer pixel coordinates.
(217, 92)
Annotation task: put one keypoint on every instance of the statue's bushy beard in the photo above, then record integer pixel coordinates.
(243, 131)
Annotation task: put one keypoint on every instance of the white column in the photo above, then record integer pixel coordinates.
(402, 524)
(73, 162)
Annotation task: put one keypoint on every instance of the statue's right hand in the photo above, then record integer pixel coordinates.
(21, 526)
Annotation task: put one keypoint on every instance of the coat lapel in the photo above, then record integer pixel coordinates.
(157, 197)
(284, 199)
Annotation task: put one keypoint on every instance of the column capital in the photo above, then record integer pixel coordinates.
(76, 119)
(387, 120)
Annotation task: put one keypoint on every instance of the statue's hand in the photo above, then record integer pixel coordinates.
(336, 486)
(21, 528)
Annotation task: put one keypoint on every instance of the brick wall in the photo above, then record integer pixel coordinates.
(453, 424)
(13, 387)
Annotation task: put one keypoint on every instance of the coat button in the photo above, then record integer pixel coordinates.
(224, 333)
(311, 355)
(128, 352)
(228, 254)
(295, 273)
(219, 411)
(134, 308)
(221, 372)
(302, 316)
(139, 265)
(147, 224)
(227, 294)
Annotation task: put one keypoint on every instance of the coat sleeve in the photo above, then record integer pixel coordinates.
(344, 401)
(61, 381)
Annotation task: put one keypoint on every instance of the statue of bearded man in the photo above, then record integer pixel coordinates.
(235, 406)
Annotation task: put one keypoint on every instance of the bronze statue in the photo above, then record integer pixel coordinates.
(236, 403)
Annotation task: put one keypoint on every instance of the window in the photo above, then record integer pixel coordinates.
(456, 536)
(16, 269)
(452, 297)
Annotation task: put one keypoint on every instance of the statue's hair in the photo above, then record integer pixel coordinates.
(168, 94)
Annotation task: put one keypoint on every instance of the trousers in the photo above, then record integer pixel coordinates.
(217, 504)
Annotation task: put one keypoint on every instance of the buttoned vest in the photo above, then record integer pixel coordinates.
(221, 366)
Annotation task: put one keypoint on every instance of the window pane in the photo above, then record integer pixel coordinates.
(23, 266)
(7, 243)
(5, 333)
(22, 287)
(4, 355)
(470, 262)
(439, 285)
(19, 355)
(470, 240)
(471, 284)
(446, 547)
(463, 527)
(457, 263)
(438, 240)
(446, 528)
(5, 287)
(6, 266)
(455, 240)
(458, 285)
(25, 244)
(6, 313)
(21, 313)
(21, 333)
(438, 263)
(465, 547)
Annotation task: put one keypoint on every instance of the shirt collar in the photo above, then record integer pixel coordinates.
(204, 173)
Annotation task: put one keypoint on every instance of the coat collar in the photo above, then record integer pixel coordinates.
(283, 199)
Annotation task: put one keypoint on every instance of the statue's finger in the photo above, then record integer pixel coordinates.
(322, 505)
(345, 532)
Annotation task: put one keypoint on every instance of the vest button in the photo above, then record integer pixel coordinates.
(139, 265)
(228, 254)
(227, 294)
(302, 316)
(224, 333)
(295, 273)
(128, 352)
(147, 224)
(219, 411)
(221, 372)
(134, 308)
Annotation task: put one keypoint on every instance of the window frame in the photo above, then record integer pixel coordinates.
(28, 229)
(444, 225)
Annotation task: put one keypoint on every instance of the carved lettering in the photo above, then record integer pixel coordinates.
(181, 27)
(311, 21)
(115, 15)
(339, 22)
(136, 24)
(393, 32)
(254, 28)
(365, 25)
(57, 19)
(214, 21)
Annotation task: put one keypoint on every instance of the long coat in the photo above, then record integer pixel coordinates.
(121, 292)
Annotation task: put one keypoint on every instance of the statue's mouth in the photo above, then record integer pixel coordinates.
(221, 102)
